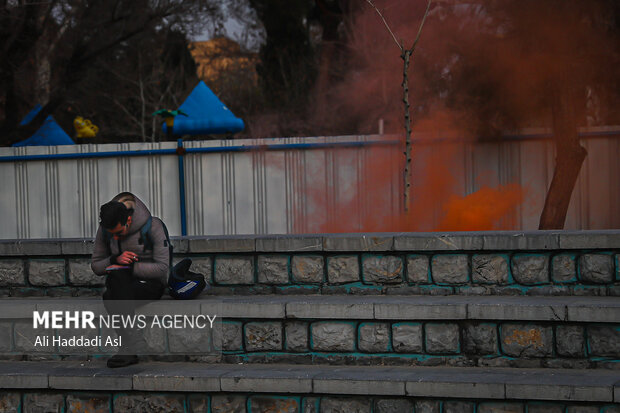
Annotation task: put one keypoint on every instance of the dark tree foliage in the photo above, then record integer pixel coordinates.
(302, 56)
(120, 93)
(287, 67)
(50, 53)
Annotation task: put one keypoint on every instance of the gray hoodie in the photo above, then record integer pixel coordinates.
(151, 264)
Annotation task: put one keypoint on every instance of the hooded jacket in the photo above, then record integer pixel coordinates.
(151, 265)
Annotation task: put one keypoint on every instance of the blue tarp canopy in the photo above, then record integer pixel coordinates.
(49, 134)
(206, 114)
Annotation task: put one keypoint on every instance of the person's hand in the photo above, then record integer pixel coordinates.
(127, 258)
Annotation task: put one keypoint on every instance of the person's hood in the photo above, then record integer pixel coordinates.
(140, 212)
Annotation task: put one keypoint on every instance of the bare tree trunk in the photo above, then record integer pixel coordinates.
(43, 73)
(406, 55)
(142, 99)
(569, 158)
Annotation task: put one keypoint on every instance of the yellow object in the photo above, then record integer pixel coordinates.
(84, 128)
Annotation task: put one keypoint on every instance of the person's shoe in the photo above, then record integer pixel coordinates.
(121, 360)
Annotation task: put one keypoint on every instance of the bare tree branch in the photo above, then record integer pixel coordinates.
(387, 26)
(406, 54)
(417, 39)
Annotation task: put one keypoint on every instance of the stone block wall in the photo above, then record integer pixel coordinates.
(455, 343)
(54, 276)
(504, 263)
(103, 402)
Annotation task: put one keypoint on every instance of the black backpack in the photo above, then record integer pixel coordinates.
(184, 284)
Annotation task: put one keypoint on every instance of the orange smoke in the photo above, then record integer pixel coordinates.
(481, 68)
(482, 210)
(375, 202)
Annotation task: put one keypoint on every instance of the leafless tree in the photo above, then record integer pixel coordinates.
(53, 45)
(405, 55)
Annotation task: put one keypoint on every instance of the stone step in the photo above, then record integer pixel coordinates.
(418, 308)
(494, 331)
(560, 309)
(429, 382)
(554, 332)
(581, 263)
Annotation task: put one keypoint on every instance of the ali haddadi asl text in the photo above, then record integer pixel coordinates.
(78, 341)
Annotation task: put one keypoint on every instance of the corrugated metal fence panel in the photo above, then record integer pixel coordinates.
(601, 184)
(292, 191)
(61, 198)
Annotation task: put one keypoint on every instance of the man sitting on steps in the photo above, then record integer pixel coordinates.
(131, 251)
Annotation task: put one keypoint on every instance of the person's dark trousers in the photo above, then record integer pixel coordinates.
(122, 296)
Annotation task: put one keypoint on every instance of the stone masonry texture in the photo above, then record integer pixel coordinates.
(296, 333)
(604, 341)
(189, 340)
(46, 272)
(342, 270)
(273, 269)
(197, 403)
(148, 403)
(310, 405)
(500, 408)
(407, 338)
(526, 340)
(12, 273)
(307, 269)
(10, 402)
(393, 406)
(94, 403)
(81, 274)
(442, 338)
(582, 409)
(418, 269)
(228, 404)
(204, 266)
(570, 341)
(25, 336)
(545, 408)
(450, 269)
(6, 339)
(41, 402)
(374, 337)
(427, 406)
(480, 338)
(171, 402)
(596, 268)
(583, 272)
(234, 270)
(489, 269)
(382, 269)
(529, 269)
(262, 404)
(345, 405)
(458, 407)
(231, 336)
(333, 336)
(263, 336)
(563, 268)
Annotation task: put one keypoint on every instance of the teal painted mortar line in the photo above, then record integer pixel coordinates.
(418, 357)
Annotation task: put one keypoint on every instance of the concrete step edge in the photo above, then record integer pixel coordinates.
(557, 309)
(436, 382)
